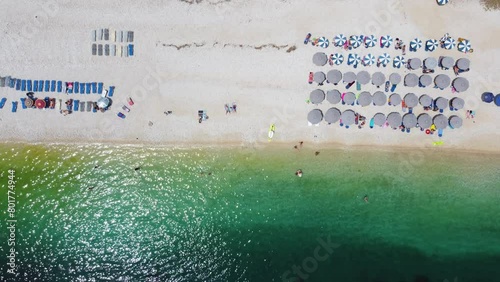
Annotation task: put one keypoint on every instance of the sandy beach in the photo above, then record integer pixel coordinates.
(200, 55)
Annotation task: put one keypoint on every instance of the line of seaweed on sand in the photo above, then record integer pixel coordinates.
(289, 48)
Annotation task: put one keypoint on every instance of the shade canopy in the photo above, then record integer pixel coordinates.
(332, 115)
(363, 77)
(411, 80)
(28, 102)
(348, 117)
(370, 41)
(103, 103)
(320, 59)
(337, 58)
(379, 98)
(349, 98)
(442, 81)
(385, 41)
(323, 42)
(424, 120)
(353, 59)
(457, 103)
(464, 46)
(463, 63)
(431, 45)
(415, 63)
(461, 84)
(349, 77)
(425, 80)
(415, 44)
(384, 59)
(447, 62)
(398, 61)
(378, 78)
(394, 78)
(425, 100)
(333, 96)
(409, 120)
(440, 121)
(317, 96)
(455, 122)
(379, 119)
(40, 103)
(441, 103)
(395, 99)
(355, 41)
(411, 100)
(315, 116)
(394, 119)
(369, 60)
(487, 97)
(364, 99)
(339, 40)
(319, 77)
(430, 63)
(450, 43)
(334, 76)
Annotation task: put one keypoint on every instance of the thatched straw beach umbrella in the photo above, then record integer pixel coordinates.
(348, 117)
(349, 77)
(364, 99)
(411, 100)
(425, 80)
(379, 98)
(457, 103)
(442, 81)
(363, 77)
(430, 63)
(394, 119)
(333, 96)
(395, 99)
(317, 96)
(315, 116)
(320, 59)
(415, 63)
(409, 120)
(379, 119)
(425, 100)
(319, 77)
(334, 76)
(394, 78)
(461, 84)
(440, 121)
(424, 121)
(332, 115)
(411, 80)
(349, 98)
(455, 122)
(378, 78)
(446, 62)
(463, 64)
(441, 103)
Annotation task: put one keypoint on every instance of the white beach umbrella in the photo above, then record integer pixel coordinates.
(431, 45)
(337, 58)
(339, 40)
(442, 2)
(449, 43)
(398, 61)
(415, 44)
(384, 59)
(370, 41)
(323, 42)
(353, 59)
(385, 41)
(355, 41)
(464, 46)
(369, 60)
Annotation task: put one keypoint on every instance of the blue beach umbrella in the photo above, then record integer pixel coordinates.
(487, 97)
(431, 45)
(449, 43)
(370, 41)
(353, 59)
(339, 40)
(398, 61)
(415, 44)
(464, 46)
(385, 41)
(442, 2)
(337, 58)
(323, 42)
(369, 60)
(384, 59)
(355, 41)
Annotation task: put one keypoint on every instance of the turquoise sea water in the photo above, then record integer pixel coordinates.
(237, 214)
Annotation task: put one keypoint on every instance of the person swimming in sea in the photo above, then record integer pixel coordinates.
(365, 198)
(299, 173)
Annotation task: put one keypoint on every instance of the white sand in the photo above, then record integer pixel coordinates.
(269, 85)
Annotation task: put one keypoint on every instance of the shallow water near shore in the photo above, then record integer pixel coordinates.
(214, 214)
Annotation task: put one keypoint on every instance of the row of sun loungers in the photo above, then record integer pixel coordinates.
(54, 86)
(105, 34)
(113, 50)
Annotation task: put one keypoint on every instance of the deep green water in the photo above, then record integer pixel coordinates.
(242, 215)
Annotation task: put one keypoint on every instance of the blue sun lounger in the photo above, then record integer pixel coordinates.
(23, 85)
(12, 82)
(23, 103)
(29, 85)
(130, 50)
(8, 82)
(76, 104)
(111, 91)
(47, 85)
(76, 87)
(14, 106)
(18, 84)
(89, 86)
(35, 85)
(70, 90)
(94, 87)
(40, 85)
(99, 87)
(53, 86)
(2, 102)
(59, 86)
(82, 88)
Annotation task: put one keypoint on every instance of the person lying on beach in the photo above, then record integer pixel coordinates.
(427, 71)
(456, 70)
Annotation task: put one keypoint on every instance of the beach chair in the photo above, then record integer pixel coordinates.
(2, 102)
(94, 109)
(106, 50)
(82, 88)
(82, 106)
(111, 91)
(99, 49)
(100, 34)
(89, 106)
(69, 90)
(121, 115)
(47, 85)
(23, 103)
(130, 36)
(88, 87)
(93, 35)
(47, 102)
(112, 35)
(35, 85)
(53, 86)
(2, 81)
(122, 36)
(124, 51)
(99, 87)
(94, 87)
(113, 50)
(40, 86)
(10, 81)
(18, 84)
(76, 87)
(59, 104)
(76, 105)
(130, 50)
(119, 51)
(94, 49)
(14, 106)
(106, 34)
(23, 85)
(29, 85)
(59, 86)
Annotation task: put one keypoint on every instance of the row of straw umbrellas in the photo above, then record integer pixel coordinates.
(393, 119)
(379, 98)
(441, 81)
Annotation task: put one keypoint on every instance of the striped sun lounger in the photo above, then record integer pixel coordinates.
(106, 49)
(23, 85)
(14, 106)
(89, 86)
(35, 85)
(76, 105)
(76, 87)
(59, 86)
(2, 102)
(29, 85)
(99, 87)
(89, 106)
(53, 86)
(23, 103)
(111, 91)
(40, 85)
(47, 85)
(82, 88)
